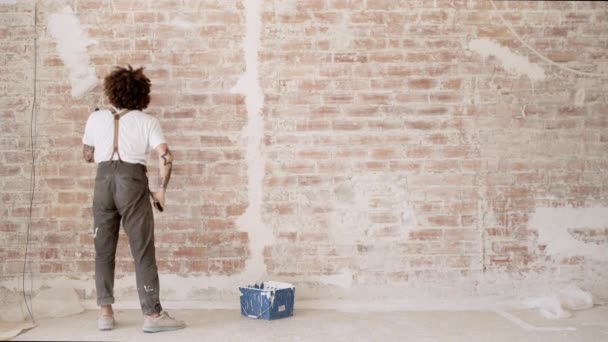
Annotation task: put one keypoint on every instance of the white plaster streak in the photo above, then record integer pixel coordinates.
(512, 62)
(527, 326)
(249, 86)
(553, 225)
(8, 2)
(72, 44)
(181, 24)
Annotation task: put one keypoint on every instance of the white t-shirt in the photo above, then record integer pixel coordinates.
(138, 134)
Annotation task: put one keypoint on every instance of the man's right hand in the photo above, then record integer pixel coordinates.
(158, 198)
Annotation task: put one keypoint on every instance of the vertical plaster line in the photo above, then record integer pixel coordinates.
(72, 44)
(249, 86)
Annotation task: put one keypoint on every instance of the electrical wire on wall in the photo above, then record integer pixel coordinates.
(27, 262)
(540, 55)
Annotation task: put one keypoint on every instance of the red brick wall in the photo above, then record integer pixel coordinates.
(393, 152)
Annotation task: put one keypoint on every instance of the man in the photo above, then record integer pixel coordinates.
(119, 140)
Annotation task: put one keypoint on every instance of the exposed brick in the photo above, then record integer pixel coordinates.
(422, 83)
(427, 234)
(371, 107)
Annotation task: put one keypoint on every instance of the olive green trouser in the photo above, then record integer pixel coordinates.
(121, 193)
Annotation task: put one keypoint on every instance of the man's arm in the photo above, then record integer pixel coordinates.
(165, 165)
(88, 153)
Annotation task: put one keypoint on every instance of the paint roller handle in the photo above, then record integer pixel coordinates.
(158, 200)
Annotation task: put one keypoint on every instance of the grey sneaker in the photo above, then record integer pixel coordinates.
(105, 322)
(164, 322)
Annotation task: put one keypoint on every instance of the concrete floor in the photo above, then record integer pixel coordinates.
(326, 325)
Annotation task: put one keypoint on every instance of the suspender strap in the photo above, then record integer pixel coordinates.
(117, 117)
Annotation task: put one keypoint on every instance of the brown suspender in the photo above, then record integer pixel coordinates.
(117, 117)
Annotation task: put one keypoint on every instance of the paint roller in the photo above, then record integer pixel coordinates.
(157, 204)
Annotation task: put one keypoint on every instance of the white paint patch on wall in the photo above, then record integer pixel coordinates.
(181, 24)
(248, 85)
(369, 205)
(72, 44)
(343, 279)
(341, 36)
(553, 225)
(512, 62)
(8, 2)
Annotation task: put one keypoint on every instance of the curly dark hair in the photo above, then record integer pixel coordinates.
(128, 88)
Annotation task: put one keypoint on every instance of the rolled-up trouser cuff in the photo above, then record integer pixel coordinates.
(105, 301)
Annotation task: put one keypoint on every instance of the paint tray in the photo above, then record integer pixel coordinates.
(268, 300)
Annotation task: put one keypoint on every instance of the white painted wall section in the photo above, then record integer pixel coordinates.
(553, 226)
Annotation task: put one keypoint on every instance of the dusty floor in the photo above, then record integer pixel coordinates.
(325, 325)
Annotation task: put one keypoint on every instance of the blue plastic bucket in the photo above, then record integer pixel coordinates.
(268, 300)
